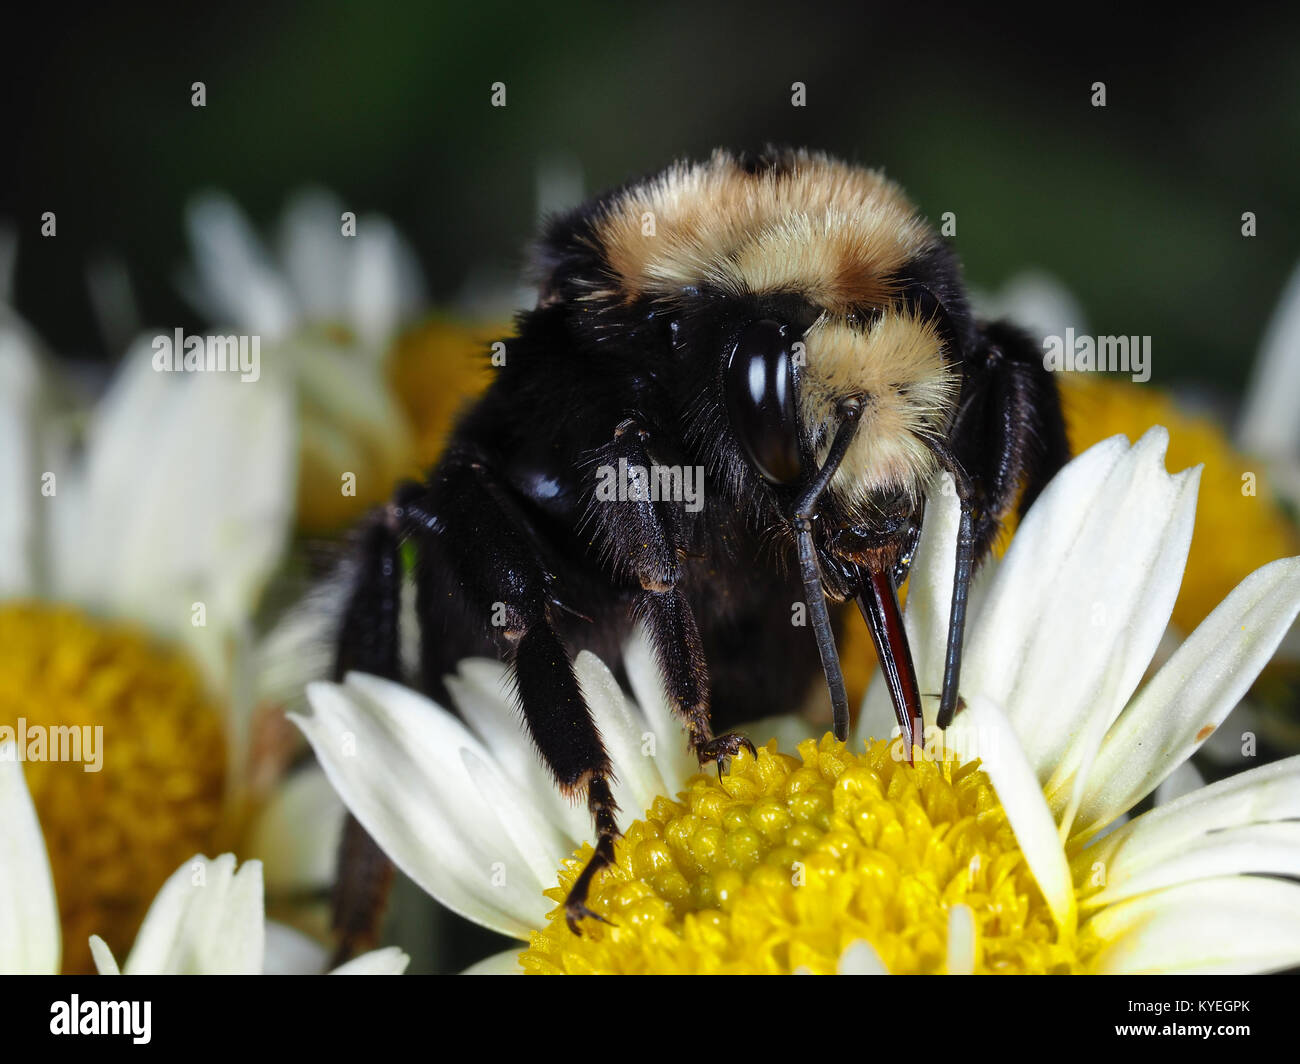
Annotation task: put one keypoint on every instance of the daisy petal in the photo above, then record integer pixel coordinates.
(30, 942)
(387, 961)
(961, 940)
(1183, 780)
(234, 279)
(1263, 795)
(314, 252)
(296, 834)
(1082, 598)
(983, 731)
(627, 740)
(207, 523)
(861, 959)
(484, 693)
(206, 920)
(672, 752)
(105, 962)
(1257, 849)
(386, 283)
(1231, 925)
(395, 759)
(290, 952)
(1191, 694)
(20, 472)
(1268, 423)
(506, 963)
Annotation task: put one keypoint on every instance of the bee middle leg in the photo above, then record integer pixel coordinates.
(484, 552)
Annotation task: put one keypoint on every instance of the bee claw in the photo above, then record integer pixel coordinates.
(576, 910)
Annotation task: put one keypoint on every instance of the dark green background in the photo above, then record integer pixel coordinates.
(1136, 206)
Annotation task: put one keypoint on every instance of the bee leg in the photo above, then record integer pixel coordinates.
(367, 642)
(1009, 440)
(1009, 435)
(484, 551)
(950, 699)
(641, 539)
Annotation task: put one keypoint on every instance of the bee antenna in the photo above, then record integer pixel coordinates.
(814, 592)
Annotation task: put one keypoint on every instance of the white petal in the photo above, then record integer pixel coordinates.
(1228, 745)
(206, 920)
(105, 962)
(1270, 416)
(1038, 302)
(296, 834)
(208, 463)
(352, 420)
(30, 942)
(961, 940)
(1256, 849)
(860, 958)
(542, 844)
(20, 475)
(387, 961)
(626, 736)
(1263, 795)
(676, 762)
(386, 285)
(1082, 597)
(290, 952)
(234, 280)
(983, 731)
(506, 963)
(315, 254)
(1183, 780)
(395, 759)
(1192, 693)
(484, 693)
(1233, 925)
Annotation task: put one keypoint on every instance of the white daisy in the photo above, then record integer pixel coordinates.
(206, 920)
(169, 518)
(1061, 632)
(1269, 424)
(325, 309)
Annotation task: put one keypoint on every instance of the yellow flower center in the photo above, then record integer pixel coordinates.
(145, 789)
(787, 862)
(435, 368)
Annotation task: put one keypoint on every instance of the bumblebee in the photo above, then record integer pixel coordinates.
(791, 328)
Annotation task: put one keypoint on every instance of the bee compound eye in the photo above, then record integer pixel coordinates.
(760, 395)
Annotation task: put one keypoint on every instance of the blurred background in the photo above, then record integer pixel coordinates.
(1132, 211)
(1136, 207)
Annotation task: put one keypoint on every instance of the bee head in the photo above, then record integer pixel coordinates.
(799, 283)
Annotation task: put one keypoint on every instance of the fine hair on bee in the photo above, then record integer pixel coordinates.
(792, 326)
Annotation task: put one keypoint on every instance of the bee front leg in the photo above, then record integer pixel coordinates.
(639, 537)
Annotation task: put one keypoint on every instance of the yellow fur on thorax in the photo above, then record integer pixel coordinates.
(830, 231)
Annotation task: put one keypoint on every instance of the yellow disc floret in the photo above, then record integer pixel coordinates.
(786, 862)
(124, 757)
